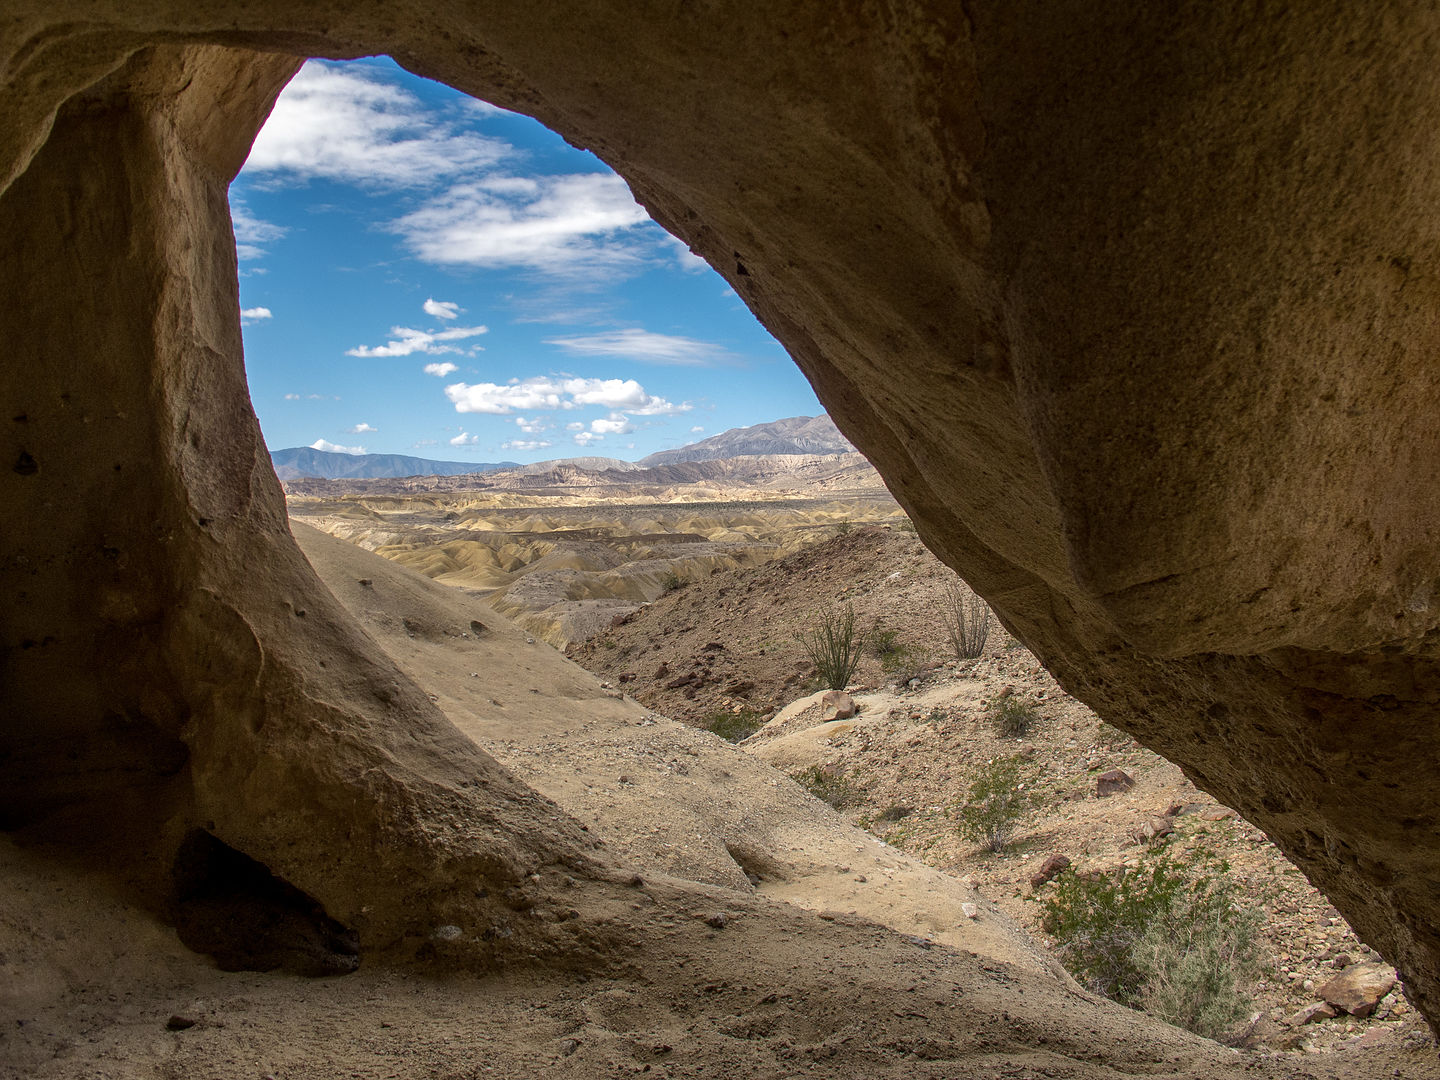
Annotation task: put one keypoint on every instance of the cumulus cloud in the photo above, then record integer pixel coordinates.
(350, 124)
(362, 428)
(292, 397)
(544, 392)
(405, 340)
(254, 314)
(532, 426)
(251, 232)
(646, 347)
(617, 424)
(585, 438)
(696, 430)
(465, 439)
(575, 426)
(419, 443)
(440, 369)
(442, 309)
(526, 444)
(335, 448)
(584, 222)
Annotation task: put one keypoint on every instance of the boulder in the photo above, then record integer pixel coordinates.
(1359, 988)
(1317, 1010)
(837, 705)
(1114, 782)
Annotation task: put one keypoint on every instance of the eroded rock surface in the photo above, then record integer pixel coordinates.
(1134, 311)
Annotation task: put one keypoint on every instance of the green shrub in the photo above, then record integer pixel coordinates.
(905, 663)
(829, 786)
(1002, 796)
(672, 581)
(1164, 937)
(833, 646)
(967, 620)
(1013, 716)
(884, 642)
(733, 727)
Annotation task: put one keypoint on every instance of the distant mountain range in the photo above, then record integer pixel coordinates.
(301, 461)
(796, 435)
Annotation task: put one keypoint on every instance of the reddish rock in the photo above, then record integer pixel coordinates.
(1318, 1010)
(1113, 782)
(1359, 988)
(837, 705)
(1049, 870)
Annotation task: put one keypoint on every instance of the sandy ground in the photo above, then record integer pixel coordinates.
(714, 975)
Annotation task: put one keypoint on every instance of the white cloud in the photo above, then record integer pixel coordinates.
(526, 444)
(582, 222)
(440, 369)
(333, 448)
(254, 314)
(465, 439)
(362, 428)
(617, 424)
(442, 309)
(624, 394)
(543, 392)
(405, 340)
(687, 259)
(645, 347)
(533, 426)
(537, 393)
(251, 232)
(576, 426)
(350, 125)
(585, 438)
(418, 443)
(292, 397)
(696, 430)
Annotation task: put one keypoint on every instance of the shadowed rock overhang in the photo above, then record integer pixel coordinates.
(1134, 311)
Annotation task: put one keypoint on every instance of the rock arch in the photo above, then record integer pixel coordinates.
(1135, 312)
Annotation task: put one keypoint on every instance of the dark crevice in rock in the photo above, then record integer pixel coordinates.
(234, 909)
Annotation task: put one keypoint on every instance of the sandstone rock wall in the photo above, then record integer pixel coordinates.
(1133, 308)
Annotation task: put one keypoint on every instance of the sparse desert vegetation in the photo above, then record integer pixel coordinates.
(977, 764)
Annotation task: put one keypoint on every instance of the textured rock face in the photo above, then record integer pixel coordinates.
(1134, 312)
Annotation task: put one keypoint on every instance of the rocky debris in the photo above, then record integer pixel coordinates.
(1049, 870)
(837, 705)
(1151, 829)
(178, 1022)
(1359, 988)
(1114, 782)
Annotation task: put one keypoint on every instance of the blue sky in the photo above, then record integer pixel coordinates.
(422, 273)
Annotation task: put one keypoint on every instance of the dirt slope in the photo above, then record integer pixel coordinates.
(707, 977)
(907, 760)
(735, 632)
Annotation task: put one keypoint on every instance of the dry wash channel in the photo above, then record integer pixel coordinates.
(1133, 310)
